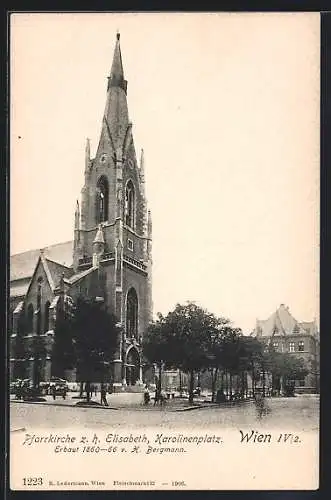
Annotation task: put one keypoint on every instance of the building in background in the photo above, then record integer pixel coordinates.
(110, 257)
(285, 334)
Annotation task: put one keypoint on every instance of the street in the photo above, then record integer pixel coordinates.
(301, 412)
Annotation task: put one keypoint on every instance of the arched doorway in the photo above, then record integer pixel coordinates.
(132, 366)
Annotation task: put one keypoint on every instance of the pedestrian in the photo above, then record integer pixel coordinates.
(146, 395)
(104, 395)
(220, 396)
(64, 391)
(261, 408)
(156, 397)
(54, 391)
(19, 390)
(95, 390)
(163, 398)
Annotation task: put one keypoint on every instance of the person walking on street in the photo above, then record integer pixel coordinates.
(104, 396)
(156, 396)
(146, 395)
(54, 391)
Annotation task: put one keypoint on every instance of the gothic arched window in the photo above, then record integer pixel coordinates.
(29, 322)
(102, 196)
(132, 314)
(46, 317)
(129, 205)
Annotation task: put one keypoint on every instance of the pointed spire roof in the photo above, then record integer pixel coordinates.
(77, 215)
(142, 166)
(116, 78)
(116, 116)
(88, 148)
(99, 238)
(149, 223)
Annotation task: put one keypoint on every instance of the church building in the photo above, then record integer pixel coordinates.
(109, 259)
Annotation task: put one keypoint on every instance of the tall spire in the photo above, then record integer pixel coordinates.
(149, 224)
(87, 154)
(116, 78)
(77, 216)
(142, 166)
(116, 117)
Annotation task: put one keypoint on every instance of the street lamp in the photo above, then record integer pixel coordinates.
(119, 325)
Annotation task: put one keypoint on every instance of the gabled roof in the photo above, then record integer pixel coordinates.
(281, 322)
(310, 327)
(19, 288)
(22, 265)
(57, 270)
(76, 277)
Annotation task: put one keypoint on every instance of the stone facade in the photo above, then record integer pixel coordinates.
(111, 255)
(300, 339)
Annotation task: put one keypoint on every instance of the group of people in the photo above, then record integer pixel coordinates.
(159, 396)
(58, 390)
(93, 390)
(22, 388)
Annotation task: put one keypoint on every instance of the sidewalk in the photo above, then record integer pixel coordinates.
(117, 401)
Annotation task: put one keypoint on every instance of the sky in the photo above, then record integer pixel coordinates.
(226, 107)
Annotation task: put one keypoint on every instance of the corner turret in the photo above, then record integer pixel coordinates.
(98, 247)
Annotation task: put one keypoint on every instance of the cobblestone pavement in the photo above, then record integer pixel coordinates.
(301, 412)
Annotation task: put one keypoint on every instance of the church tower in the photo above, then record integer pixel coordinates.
(113, 217)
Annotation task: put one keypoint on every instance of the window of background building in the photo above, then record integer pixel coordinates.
(275, 345)
(130, 244)
(292, 347)
(301, 346)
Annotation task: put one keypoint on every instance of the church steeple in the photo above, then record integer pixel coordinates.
(116, 78)
(114, 237)
(116, 117)
(114, 189)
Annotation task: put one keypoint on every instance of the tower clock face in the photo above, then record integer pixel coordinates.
(130, 163)
(103, 158)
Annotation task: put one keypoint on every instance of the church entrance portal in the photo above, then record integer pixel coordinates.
(132, 367)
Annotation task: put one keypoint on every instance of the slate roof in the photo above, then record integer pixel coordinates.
(22, 265)
(281, 322)
(76, 277)
(57, 270)
(19, 288)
